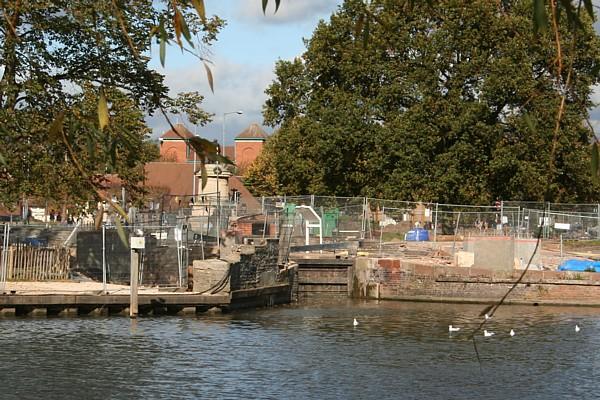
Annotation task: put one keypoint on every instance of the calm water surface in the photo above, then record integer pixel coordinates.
(308, 351)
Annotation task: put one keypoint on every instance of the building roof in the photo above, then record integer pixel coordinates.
(253, 131)
(177, 178)
(181, 129)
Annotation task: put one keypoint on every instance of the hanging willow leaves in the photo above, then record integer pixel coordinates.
(199, 6)
(266, 2)
(102, 109)
(209, 76)
(113, 154)
(203, 174)
(202, 147)
(177, 23)
(163, 39)
(186, 32)
(121, 232)
(206, 150)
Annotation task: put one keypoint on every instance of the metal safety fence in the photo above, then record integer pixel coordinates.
(194, 230)
(345, 218)
(105, 255)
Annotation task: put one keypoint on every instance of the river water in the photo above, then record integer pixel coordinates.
(306, 351)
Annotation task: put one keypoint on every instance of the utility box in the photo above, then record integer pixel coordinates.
(330, 221)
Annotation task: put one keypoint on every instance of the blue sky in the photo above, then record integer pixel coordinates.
(244, 57)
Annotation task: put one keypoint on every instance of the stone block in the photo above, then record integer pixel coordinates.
(464, 259)
(247, 249)
(207, 273)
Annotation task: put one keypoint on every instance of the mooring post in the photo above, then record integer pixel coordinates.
(104, 258)
(137, 244)
(133, 301)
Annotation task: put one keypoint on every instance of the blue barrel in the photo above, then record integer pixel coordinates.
(417, 235)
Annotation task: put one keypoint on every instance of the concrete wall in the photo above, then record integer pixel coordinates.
(524, 248)
(498, 253)
(493, 252)
(403, 280)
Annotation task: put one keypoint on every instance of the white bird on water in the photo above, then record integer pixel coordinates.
(577, 328)
(487, 317)
(355, 323)
(487, 334)
(512, 333)
(453, 328)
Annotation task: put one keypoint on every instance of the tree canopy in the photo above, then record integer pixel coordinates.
(449, 101)
(75, 86)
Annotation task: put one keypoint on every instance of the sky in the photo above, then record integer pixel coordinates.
(243, 61)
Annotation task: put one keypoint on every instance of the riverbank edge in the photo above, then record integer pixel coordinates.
(402, 280)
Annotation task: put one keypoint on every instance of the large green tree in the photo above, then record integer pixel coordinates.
(449, 101)
(75, 83)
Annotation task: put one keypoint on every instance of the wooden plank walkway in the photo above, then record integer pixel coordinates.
(64, 298)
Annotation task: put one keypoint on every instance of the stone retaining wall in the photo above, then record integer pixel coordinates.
(254, 276)
(405, 280)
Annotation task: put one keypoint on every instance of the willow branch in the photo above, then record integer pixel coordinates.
(90, 180)
(124, 30)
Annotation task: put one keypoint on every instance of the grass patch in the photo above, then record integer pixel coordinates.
(390, 236)
(581, 244)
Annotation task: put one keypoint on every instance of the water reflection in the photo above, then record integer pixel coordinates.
(398, 350)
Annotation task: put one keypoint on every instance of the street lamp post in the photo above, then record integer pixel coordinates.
(223, 130)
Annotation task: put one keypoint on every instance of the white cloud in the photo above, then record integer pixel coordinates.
(237, 87)
(289, 11)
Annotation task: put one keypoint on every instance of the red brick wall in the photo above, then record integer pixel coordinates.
(405, 280)
(246, 152)
(173, 150)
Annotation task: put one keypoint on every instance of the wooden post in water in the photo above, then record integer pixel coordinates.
(133, 301)
(137, 243)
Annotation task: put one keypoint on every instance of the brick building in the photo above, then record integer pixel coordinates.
(173, 180)
(174, 147)
(248, 145)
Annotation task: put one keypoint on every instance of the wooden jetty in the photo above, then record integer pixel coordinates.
(66, 298)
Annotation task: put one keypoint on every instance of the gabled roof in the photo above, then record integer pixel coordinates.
(253, 131)
(181, 129)
(176, 177)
